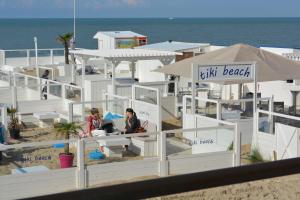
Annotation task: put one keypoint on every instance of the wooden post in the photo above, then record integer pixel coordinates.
(163, 163)
(81, 171)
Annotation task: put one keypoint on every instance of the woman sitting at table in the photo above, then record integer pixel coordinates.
(132, 122)
(94, 121)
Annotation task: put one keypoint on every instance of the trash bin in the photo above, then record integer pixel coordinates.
(2, 140)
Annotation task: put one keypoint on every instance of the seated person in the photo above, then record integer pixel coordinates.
(132, 122)
(94, 121)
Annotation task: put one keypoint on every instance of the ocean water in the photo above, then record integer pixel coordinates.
(277, 32)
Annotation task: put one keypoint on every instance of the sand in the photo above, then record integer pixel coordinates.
(283, 188)
(45, 155)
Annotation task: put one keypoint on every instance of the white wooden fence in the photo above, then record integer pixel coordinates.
(82, 176)
(26, 57)
(283, 143)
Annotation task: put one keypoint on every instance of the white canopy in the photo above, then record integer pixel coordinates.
(119, 55)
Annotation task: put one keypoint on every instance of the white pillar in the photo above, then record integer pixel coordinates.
(271, 118)
(51, 56)
(237, 145)
(163, 163)
(81, 171)
(194, 76)
(14, 96)
(113, 78)
(3, 58)
(133, 67)
(255, 116)
(219, 110)
(40, 88)
(105, 70)
(28, 57)
(83, 65)
(73, 71)
(36, 56)
(70, 112)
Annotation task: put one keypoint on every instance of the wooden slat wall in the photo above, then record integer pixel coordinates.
(200, 162)
(34, 184)
(122, 171)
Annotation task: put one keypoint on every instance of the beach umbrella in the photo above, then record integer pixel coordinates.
(269, 66)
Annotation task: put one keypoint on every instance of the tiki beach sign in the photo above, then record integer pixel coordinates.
(230, 72)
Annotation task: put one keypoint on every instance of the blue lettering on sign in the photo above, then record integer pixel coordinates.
(209, 73)
(236, 72)
(197, 142)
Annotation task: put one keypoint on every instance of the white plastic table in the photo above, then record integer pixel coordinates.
(113, 147)
(46, 119)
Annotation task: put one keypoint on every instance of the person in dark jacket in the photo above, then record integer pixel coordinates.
(44, 90)
(132, 122)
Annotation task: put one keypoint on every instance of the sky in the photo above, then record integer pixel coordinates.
(149, 8)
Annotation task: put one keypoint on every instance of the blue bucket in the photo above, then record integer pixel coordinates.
(96, 155)
(59, 146)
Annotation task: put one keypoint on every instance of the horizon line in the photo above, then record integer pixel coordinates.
(270, 17)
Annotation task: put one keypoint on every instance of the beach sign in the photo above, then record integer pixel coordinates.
(207, 73)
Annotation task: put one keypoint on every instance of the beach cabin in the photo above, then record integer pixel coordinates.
(119, 39)
(255, 116)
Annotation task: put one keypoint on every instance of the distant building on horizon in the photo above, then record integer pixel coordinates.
(119, 39)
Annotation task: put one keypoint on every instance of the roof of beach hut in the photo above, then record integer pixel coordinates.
(269, 66)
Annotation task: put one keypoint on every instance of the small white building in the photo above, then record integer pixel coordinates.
(146, 74)
(119, 39)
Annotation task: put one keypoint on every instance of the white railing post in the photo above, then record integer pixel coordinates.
(14, 96)
(163, 163)
(28, 57)
(81, 171)
(63, 91)
(271, 108)
(26, 81)
(82, 105)
(3, 58)
(70, 112)
(219, 110)
(48, 88)
(237, 146)
(40, 88)
(51, 56)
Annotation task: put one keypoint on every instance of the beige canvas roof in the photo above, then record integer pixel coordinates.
(269, 66)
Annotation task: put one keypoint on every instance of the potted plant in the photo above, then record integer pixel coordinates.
(14, 127)
(65, 40)
(66, 129)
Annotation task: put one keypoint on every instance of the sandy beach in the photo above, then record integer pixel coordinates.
(283, 188)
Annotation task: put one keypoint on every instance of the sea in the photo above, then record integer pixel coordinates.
(272, 32)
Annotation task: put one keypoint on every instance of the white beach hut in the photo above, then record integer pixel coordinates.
(235, 65)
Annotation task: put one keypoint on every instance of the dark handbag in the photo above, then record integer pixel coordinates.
(142, 128)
